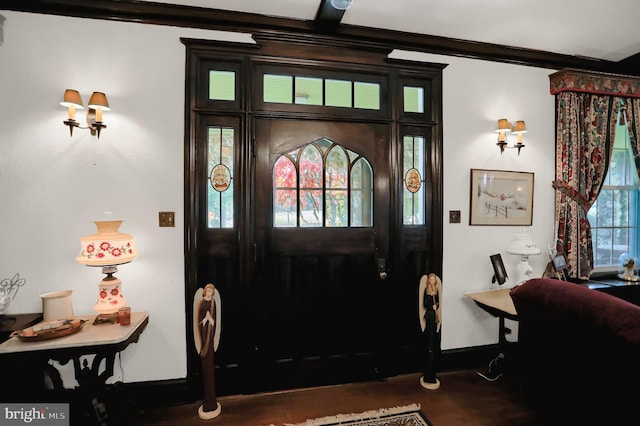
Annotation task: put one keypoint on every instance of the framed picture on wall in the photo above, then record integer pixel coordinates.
(499, 197)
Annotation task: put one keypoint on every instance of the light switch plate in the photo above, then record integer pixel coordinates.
(454, 216)
(166, 219)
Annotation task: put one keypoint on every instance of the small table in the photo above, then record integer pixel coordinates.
(499, 304)
(25, 363)
(16, 322)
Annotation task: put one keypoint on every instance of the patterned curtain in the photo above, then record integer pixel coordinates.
(586, 109)
(584, 124)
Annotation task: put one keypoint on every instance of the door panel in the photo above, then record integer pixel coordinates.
(321, 285)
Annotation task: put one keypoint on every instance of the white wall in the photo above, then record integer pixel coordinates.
(53, 186)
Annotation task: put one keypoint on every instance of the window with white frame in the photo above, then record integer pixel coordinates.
(614, 216)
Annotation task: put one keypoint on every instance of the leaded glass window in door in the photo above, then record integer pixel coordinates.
(322, 184)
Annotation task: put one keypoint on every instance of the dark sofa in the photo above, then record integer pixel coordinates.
(578, 353)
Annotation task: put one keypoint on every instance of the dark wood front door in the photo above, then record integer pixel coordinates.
(322, 287)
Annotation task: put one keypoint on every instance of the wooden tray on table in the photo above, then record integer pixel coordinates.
(50, 330)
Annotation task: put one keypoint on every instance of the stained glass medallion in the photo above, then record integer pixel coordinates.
(220, 178)
(413, 180)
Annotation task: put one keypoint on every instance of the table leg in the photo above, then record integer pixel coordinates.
(497, 365)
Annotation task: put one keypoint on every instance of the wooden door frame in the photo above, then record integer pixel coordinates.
(273, 49)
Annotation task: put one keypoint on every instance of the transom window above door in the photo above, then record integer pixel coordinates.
(322, 184)
(321, 91)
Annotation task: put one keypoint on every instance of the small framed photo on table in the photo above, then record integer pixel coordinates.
(559, 262)
(499, 271)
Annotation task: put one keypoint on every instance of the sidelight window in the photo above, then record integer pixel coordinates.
(220, 175)
(322, 184)
(413, 161)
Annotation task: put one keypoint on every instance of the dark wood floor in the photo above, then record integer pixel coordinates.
(464, 398)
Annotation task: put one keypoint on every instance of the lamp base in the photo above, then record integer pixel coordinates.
(106, 319)
(524, 270)
(110, 297)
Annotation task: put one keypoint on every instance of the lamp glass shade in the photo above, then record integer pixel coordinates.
(108, 246)
(523, 245)
(72, 99)
(99, 100)
(503, 125)
(520, 127)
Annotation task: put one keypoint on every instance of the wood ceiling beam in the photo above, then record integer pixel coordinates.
(214, 19)
(328, 18)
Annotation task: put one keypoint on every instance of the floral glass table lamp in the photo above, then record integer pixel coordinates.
(108, 249)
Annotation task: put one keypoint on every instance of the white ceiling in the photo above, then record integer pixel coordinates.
(606, 29)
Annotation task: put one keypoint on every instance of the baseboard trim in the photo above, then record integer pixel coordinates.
(154, 394)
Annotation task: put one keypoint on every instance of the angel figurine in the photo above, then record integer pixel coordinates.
(430, 315)
(206, 335)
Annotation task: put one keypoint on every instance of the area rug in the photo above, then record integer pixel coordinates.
(409, 415)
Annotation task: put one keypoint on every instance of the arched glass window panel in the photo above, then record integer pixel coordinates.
(220, 174)
(353, 156)
(310, 197)
(322, 184)
(414, 181)
(323, 144)
(361, 194)
(285, 193)
(336, 183)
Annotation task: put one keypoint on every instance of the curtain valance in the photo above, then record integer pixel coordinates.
(572, 80)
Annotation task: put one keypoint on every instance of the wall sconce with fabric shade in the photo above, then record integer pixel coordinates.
(504, 127)
(107, 249)
(97, 104)
(72, 101)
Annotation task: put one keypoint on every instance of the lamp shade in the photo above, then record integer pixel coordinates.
(520, 127)
(523, 245)
(108, 246)
(503, 125)
(98, 100)
(72, 99)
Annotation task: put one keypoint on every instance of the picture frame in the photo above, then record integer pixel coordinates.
(499, 271)
(501, 198)
(560, 262)
(556, 267)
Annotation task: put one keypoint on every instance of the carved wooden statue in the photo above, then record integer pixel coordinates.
(206, 332)
(430, 315)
